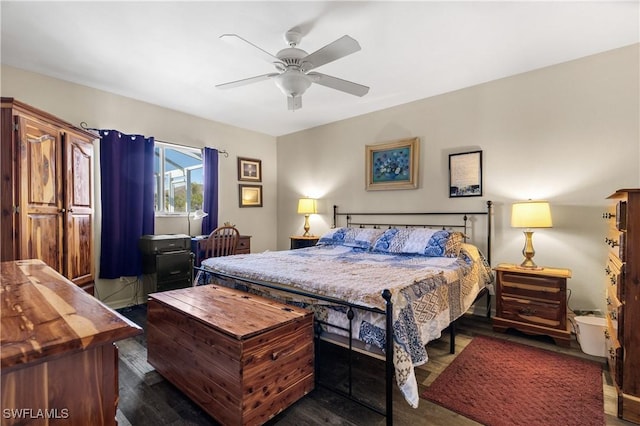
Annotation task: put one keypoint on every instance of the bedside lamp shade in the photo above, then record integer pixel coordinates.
(530, 214)
(307, 206)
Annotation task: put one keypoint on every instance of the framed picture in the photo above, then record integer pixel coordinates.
(249, 169)
(392, 165)
(250, 195)
(465, 174)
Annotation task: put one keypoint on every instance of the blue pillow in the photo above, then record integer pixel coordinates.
(351, 237)
(423, 241)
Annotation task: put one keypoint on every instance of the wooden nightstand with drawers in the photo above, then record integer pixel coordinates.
(532, 301)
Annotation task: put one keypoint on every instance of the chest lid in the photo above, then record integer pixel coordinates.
(233, 312)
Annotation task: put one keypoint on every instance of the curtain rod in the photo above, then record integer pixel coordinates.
(85, 126)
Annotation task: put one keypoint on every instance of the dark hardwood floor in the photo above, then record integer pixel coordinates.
(147, 399)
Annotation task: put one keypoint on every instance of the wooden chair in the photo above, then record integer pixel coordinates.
(222, 242)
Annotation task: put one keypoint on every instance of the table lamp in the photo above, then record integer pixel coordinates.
(530, 214)
(198, 214)
(307, 206)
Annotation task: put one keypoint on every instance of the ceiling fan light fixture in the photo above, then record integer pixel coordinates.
(293, 82)
(294, 65)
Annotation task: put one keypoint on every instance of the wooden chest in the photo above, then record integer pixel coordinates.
(241, 357)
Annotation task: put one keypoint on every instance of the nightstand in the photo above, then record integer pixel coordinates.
(298, 241)
(532, 301)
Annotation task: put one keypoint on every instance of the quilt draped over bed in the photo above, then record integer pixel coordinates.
(428, 293)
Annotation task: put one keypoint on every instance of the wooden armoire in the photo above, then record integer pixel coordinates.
(46, 192)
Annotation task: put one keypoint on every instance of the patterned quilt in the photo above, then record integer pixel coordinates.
(427, 292)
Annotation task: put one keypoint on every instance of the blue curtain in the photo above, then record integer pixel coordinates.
(127, 186)
(210, 199)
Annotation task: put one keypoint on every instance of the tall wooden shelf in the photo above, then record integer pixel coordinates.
(623, 300)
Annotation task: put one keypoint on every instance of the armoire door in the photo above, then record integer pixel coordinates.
(41, 193)
(78, 235)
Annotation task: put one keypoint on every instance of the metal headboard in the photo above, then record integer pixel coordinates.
(368, 220)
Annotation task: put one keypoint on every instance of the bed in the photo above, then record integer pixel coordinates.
(365, 277)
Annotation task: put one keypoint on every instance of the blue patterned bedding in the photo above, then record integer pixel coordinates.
(427, 292)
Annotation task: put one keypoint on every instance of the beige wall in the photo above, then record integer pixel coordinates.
(567, 133)
(75, 104)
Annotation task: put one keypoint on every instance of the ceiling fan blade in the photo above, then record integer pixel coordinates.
(338, 84)
(342, 47)
(235, 38)
(246, 81)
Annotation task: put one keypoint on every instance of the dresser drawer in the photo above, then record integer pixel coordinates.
(532, 287)
(614, 355)
(244, 245)
(614, 277)
(546, 314)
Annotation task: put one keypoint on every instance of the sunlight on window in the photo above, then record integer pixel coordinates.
(179, 178)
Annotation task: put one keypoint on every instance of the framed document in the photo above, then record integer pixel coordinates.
(465, 174)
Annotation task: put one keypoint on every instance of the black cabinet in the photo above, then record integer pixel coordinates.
(167, 260)
(174, 270)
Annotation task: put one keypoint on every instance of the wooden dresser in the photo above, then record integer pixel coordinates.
(198, 246)
(622, 270)
(241, 357)
(532, 301)
(59, 361)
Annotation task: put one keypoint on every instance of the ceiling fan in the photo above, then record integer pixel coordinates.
(294, 66)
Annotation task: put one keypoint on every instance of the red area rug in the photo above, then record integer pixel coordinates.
(501, 383)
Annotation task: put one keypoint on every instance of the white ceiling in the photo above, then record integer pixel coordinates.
(170, 54)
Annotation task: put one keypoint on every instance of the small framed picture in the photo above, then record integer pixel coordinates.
(392, 165)
(465, 174)
(250, 195)
(249, 169)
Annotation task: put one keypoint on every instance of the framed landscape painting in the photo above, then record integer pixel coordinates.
(465, 174)
(250, 195)
(392, 165)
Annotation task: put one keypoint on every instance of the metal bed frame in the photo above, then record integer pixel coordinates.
(386, 295)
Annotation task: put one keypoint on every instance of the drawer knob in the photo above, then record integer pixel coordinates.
(611, 242)
(526, 311)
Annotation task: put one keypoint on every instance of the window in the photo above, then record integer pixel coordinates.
(179, 178)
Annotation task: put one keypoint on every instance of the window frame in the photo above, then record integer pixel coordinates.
(160, 178)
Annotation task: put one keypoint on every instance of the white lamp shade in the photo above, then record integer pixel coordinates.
(307, 206)
(531, 214)
(198, 214)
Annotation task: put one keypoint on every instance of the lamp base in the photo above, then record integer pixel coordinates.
(530, 268)
(528, 252)
(306, 226)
